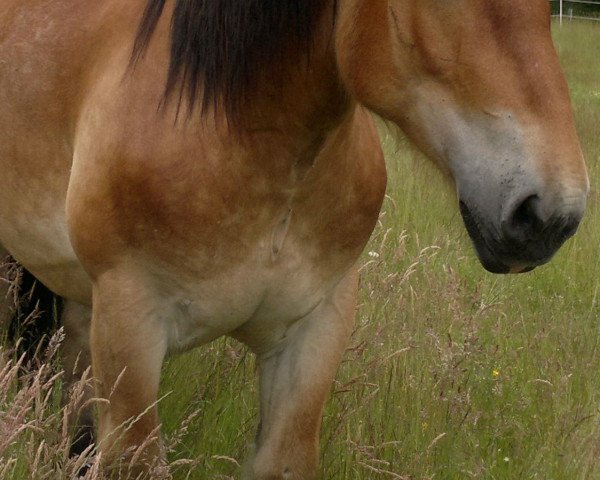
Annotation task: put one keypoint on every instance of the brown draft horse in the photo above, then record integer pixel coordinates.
(213, 171)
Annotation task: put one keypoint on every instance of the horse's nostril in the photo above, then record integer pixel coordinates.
(525, 221)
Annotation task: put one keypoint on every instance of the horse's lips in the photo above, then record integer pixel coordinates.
(521, 269)
(489, 261)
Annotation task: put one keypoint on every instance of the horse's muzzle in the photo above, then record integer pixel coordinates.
(524, 237)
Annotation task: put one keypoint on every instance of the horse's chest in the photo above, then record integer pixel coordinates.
(282, 278)
(291, 264)
(235, 238)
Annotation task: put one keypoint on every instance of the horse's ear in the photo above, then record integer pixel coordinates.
(152, 14)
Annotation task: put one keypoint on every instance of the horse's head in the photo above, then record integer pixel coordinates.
(477, 85)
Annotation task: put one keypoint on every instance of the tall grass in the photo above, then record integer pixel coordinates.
(452, 373)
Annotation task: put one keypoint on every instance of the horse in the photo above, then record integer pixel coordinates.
(178, 171)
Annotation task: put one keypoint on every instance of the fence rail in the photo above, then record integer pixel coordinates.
(587, 2)
(561, 13)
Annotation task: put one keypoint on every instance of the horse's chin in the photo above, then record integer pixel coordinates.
(492, 265)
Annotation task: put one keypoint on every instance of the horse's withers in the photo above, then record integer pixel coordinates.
(478, 87)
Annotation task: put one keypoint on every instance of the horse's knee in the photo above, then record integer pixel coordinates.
(268, 466)
(288, 449)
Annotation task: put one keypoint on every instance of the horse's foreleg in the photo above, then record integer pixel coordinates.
(76, 359)
(128, 345)
(295, 379)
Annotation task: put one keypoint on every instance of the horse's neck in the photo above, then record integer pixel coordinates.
(306, 97)
(367, 51)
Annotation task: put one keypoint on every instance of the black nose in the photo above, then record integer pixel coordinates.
(528, 224)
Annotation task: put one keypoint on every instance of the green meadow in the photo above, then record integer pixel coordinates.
(452, 372)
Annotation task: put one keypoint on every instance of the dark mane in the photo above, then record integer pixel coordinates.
(219, 46)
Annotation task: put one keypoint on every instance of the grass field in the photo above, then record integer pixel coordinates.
(453, 373)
